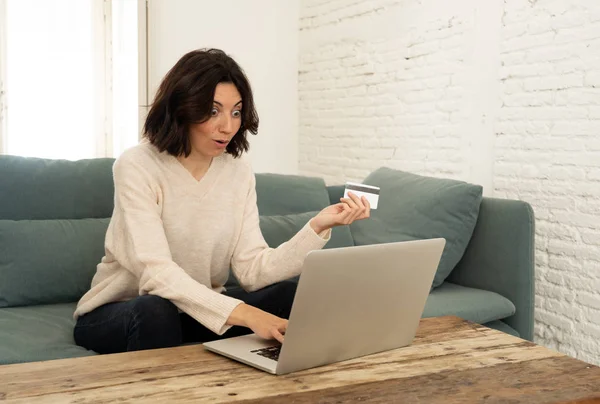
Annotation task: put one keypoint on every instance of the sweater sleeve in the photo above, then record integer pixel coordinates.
(139, 243)
(255, 264)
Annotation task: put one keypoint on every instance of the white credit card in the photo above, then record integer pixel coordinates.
(368, 191)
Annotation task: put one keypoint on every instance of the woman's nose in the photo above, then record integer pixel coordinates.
(226, 124)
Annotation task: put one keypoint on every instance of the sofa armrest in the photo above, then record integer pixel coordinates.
(501, 258)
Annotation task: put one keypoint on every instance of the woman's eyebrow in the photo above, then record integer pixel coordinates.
(236, 104)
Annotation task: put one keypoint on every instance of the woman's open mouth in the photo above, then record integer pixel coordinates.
(221, 143)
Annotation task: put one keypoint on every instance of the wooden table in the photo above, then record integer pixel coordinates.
(450, 361)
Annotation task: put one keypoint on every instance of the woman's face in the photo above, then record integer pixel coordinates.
(210, 138)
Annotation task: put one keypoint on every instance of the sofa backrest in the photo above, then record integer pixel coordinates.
(279, 194)
(32, 188)
(335, 192)
(54, 215)
(53, 220)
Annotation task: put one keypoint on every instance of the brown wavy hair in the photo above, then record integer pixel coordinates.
(186, 95)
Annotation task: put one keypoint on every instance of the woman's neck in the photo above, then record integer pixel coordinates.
(196, 164)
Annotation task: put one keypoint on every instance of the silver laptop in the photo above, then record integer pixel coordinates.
(350, 302)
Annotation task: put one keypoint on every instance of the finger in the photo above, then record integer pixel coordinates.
(348, 214)
(283, 327)
(349, 201)
(344, 207)
(357, 214)
(277, 335)
(358, 209)
(356, 199)
(343, 216)
(348, 208)
(367, 212)
(360, 205)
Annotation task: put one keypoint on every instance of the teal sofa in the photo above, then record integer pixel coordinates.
(54, 215)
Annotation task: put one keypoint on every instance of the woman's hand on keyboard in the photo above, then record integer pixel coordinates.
(264, 324)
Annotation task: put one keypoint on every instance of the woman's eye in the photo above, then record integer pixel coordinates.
(214, 112)
(237, 114)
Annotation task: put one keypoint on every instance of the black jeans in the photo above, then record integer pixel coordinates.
(148, 322)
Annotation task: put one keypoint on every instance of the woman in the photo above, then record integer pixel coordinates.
(185, 212)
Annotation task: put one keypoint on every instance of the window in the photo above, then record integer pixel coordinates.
(70, 77)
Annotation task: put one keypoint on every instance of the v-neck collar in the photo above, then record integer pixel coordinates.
(187, 173)
(191, 184)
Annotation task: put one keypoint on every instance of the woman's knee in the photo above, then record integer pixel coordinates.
(144, 322)
(154, 310)
(155, 323)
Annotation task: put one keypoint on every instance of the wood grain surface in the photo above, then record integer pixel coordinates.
(450, 361)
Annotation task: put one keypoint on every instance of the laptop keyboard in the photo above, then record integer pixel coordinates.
(271, 352)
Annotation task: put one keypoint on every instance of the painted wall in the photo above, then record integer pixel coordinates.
(262, 36)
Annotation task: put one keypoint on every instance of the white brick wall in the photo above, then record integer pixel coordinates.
(548, 153)
(392, 99)
(507, 96)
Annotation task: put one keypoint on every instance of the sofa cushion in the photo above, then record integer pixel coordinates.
(479, 306)
(34, 188)
(502, 326)
(279, 194)
(38, 333)
(48, 261)
(413, 207)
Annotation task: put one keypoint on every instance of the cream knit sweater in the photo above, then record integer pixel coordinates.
(173, 236)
